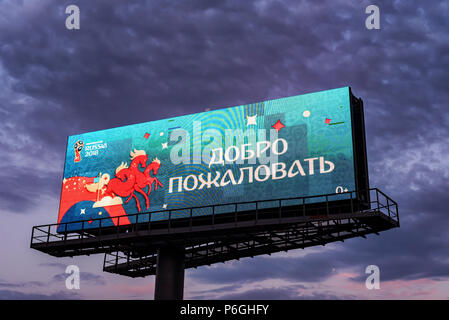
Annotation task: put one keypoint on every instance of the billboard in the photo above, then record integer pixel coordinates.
(297, 146)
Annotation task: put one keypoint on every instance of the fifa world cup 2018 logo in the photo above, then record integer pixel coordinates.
(78, 146)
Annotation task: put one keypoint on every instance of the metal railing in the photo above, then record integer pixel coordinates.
(314, 207)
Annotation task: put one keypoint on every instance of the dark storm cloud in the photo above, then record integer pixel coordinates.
(226, 288)
(9, 284)
(15, 194)
(57, 265)
(143, 60)
(17, 295)
(287, 293)
(85, 277)
(148, 60)
(296, 292)
(315, 268)
(283, 293)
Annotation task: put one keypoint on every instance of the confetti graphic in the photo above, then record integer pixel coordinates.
(278, 126)
(251, 120)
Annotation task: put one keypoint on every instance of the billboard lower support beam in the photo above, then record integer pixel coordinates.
(170, 273)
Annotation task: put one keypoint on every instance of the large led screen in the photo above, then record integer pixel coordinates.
(285, 148)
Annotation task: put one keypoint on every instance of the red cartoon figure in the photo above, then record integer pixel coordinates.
(139, 157)
(78, 146)
(153, 166)
(130, 179)
(123, 184)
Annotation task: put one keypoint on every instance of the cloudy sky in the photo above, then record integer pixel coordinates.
(135, 61)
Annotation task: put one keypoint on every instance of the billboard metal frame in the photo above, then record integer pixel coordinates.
(143, 239)
(359, 146)
(283, 238)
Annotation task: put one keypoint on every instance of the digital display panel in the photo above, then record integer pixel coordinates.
(291, 147)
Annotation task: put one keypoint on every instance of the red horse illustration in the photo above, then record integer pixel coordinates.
(153, 166)
(143, 179)
(130, 179)
(123, 184)
(139, 157)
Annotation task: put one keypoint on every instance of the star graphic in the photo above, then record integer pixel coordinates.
(100, 213)
(147, 135)
(165, 145)
(278, 126)
(164, 206)
(251, 120)
(328, 121)
(83, 211)
(64, 181)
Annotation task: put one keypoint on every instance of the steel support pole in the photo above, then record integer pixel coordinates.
(170, 273)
